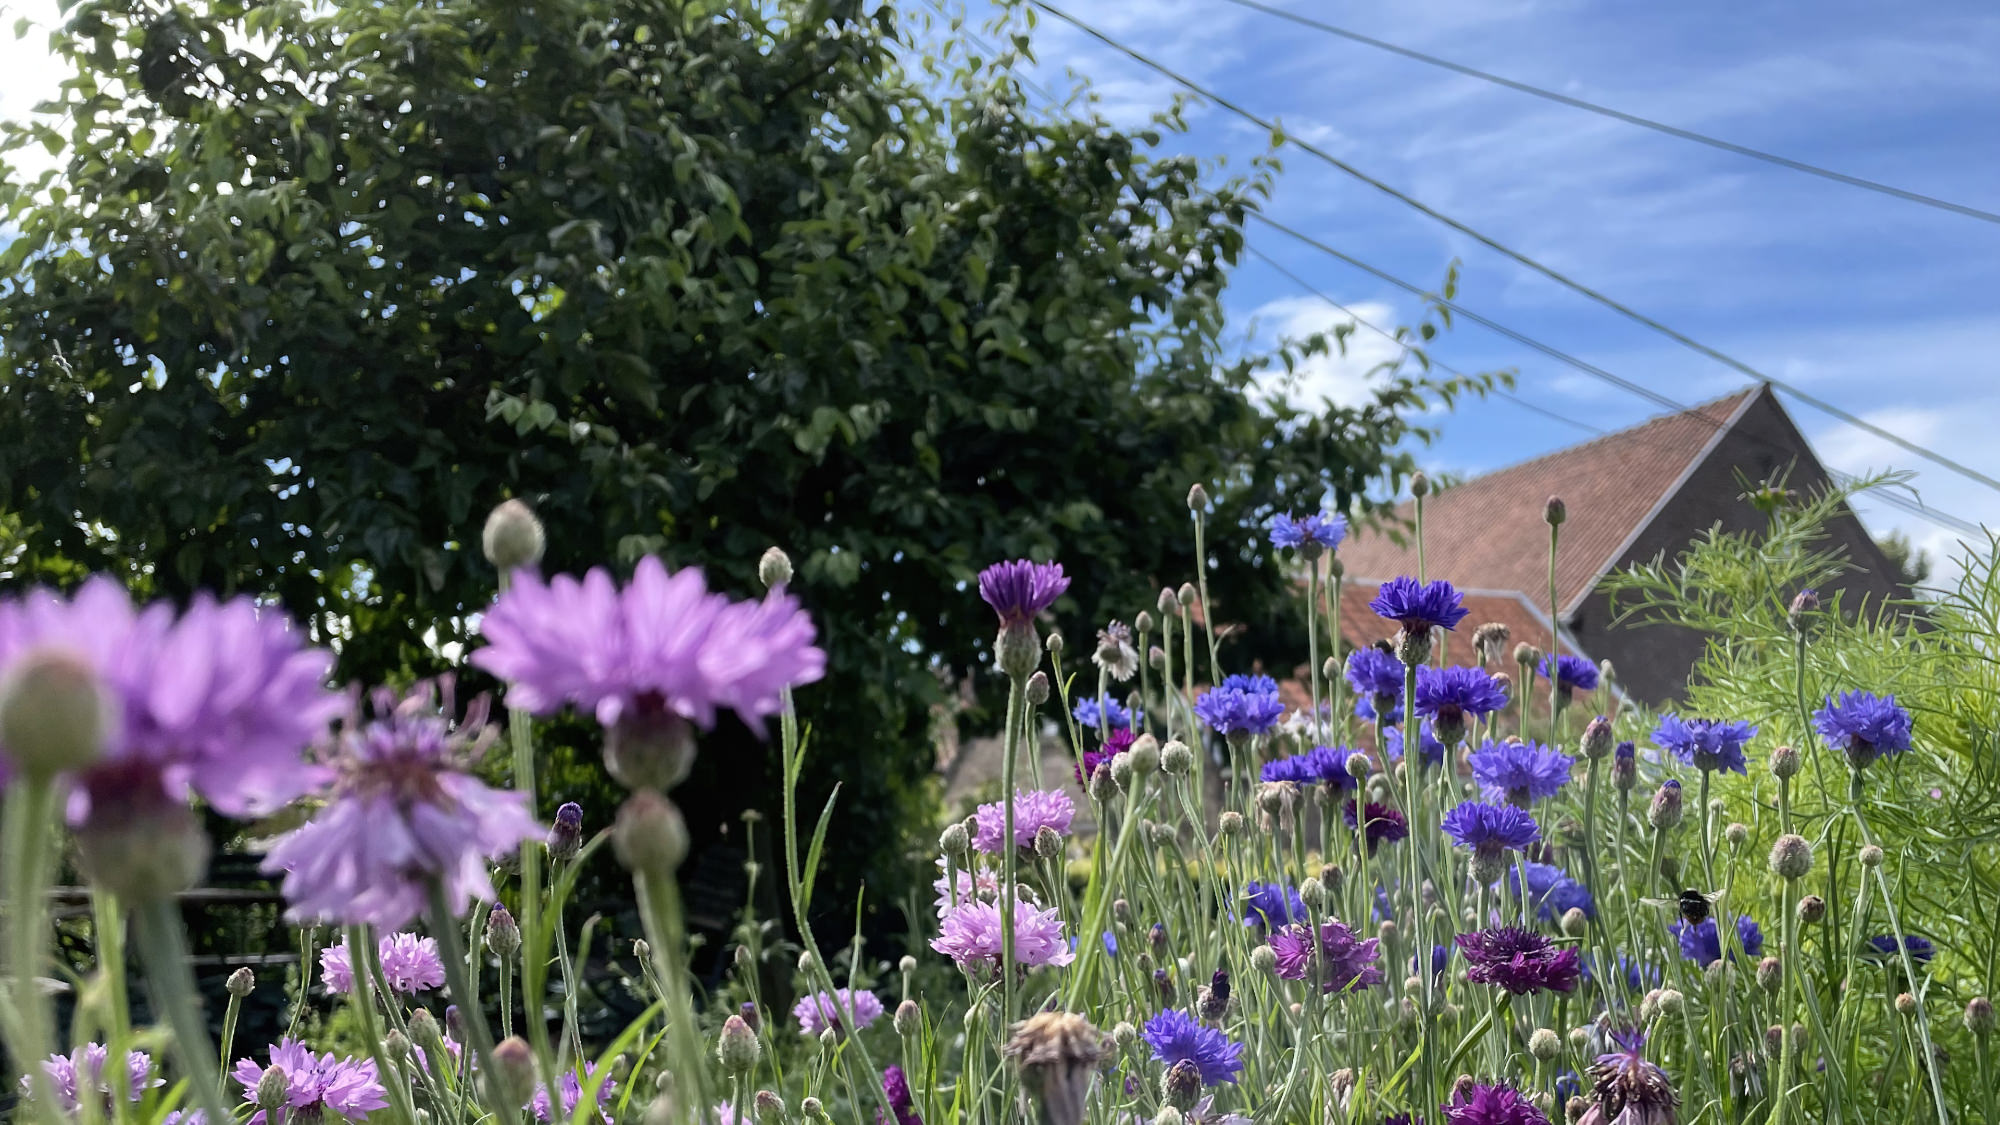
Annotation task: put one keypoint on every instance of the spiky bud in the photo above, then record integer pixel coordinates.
(1187, 595)
(1102, 787)
(503, 935)
(736, 1048)
(1786, 762)
(1770, 974)
(1180, 1087)
(1528, 657)
(769, 1106)
(1979, 1016)
(649, 836)
(396, 1045)
(1197, 498)
(1906, 1004)
(1124, 1034)
(1579, 1039)
(55, 713)
(1545, 1045)
(1145, 754)
(1812, 908)
(1597, 738)
(812, 1110)
(1792, 856)
(1048, 842)
(1176, 758)
(1038, 687)
(1672, 1003)
(1230, 823)
(513, 537)
(953, 841)
(274, 1089)
(1737, 834)
(1665, 811)
(1358, 765)
(241, 983)
(1121, 770)
(1420, 485)
(513, 1078)
(1575, 922)
(1264, 959)
(1871, 856)
(565, 837)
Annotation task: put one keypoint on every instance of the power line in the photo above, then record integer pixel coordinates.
(1914, 507)
(1627, 118)
(1552, 274)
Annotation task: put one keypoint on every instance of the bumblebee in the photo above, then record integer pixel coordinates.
(1692, 904)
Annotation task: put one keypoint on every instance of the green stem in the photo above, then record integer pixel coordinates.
(1903, 949)
(534, 960)
(1207, 609)
(30, 818)
(1010, 855)
(659, 907)
(163, 952)
(458, 981)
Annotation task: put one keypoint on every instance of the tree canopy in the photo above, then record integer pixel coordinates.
(313, 285)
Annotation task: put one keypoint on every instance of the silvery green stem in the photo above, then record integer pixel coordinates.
(1909, 967)
(1008, 852)
(1207, 608)
(1555, 641)
(1312, 654)
(29, 819)
(659, 909)
(534, 960)
(163, 952)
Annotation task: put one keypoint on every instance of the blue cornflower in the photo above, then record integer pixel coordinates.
(1377, 677)
(1087, 714)
(1311, 535)
(1321, 764)
(1490, 828)
(1110, 942)
(1241, 705)
(1569, 1084)
(1176, 1037)
(1364, 711)
(1440, 960)
(1448, 695)
(1701, 943)
(1392, 744)
(1551, 890)
(1419, 607)
(1705, 744)
(1272, 904)
(1882, 947)
(1864, 726)
(1636, 975)
(1519, 772)
(1572, 673)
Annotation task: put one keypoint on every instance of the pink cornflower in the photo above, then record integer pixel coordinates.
(970, 935)
(410, 964)
(822, 1010)
(315, 1084)
(1034, 809)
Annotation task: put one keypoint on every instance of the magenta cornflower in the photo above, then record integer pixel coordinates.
(823, 1010)
(970, 935)
(71, 1076)
(221, 700)
(896, 1090)
(1117, 742)
(1419, 607)
(986, 885)
(406, 812)
(315, 1084)
(1519, 772)
(1339, 959)
(661, 651)
(1385, 825)
(569, 1089)
(1492, 1105)
(1019, 590)
(1520, 961)
(1034, 810)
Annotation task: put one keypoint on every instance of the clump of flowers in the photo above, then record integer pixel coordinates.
(1034, 810)
(1864, 726)
(315, 1085)
(410, 964)
(73, 1076)
(824, 1010)
(1520, 961)
(1335, 955)
(1519, 773)
(1175, 1037)
(1241, 706)
(1705, 744)
(1701, 942)
(970, 935)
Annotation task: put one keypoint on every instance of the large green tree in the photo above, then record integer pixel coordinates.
(314, 284)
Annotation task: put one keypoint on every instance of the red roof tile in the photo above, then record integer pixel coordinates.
(1488, 532)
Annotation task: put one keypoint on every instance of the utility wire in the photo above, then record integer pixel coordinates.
(1552, 274)
(1914, 507)
(1621, 115)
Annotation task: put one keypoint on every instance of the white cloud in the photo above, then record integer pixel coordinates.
(1344, 376)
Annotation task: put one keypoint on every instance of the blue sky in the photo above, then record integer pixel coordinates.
(1886, 308)
(1889, 309)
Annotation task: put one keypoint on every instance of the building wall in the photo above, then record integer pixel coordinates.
(1653, 661)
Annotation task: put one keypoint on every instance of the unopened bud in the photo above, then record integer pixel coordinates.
(1038, 687)
(1785, 762)
(1420, 485)
(1579, 1039)
(1554, 512)
(649, 835)
(55, 713)
(1770, 974)
(1671, 1002)
(1048, 842)
(503, 935)
(1575, 922)
(1906, 1004)
(812, 1110)
(1231, 823)
(1597, 738)
(1528, 657)
(1187, 595)
(1145, 755)
(1124, 1034)
(1791, 856)
(1805, 603)
(1736, 834)
(1871, 856)
(1180, 1087)
(737, 1048)
(1102, 787)
(1358, 765)
(1197, 498)
(1979, 1016)
(241, 982)
(774, 567)
(1665, 812)
(513, 1079)
(749, 1010)
(1142, 623)
(829, 1039)
(396, 1045)
(908, 1019)
(274, 1089)
(769, 1106)
(1168, 604)
(513, 537)
(1264, 959)
(954, 840)
(566, 834)
(1812, 908)
(1176, 758)
(1545, 1045)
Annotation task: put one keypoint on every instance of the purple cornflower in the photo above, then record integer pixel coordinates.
(1552, 892)
(1705, 744)
(1630, 1089)
(1492, 1105)
(1701, 943)
(1377, 676)
(1490, 829)
(406, 811)
(316, 1084)
(1087, 714)
(1176, 1037)
(1019, 590)
(1419, 607)
(1034, 810)
(1311, 535)
(1385, 825)
(986, 885)
(1339, 959)
(1519, 772)
(1392, 744)
(1448, 695)
(1882, 947)
(410, 964)
(1241, 705)
(970, 935)
(71, 1075)
(1325, 765)
(659, 654)
(1864, 726)
(896, 1090)
(1117, 742)
(822, 1010)
(1440, 960)
(1571, 673)
(220, 700)
(569, 1090)
(1270, 905)
(1520, 961)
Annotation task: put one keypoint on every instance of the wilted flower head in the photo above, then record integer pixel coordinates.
(220, 700)
(1702, 944)
(1571, 673)
(1419, 606)
(1175, 1037)
(70, 1076)
(822, 1010)
(1034, 809)
(1433, 750)
(1335, 955)
(1705, 744)
(1115, 654)
(1492, 1105)
(1864, 726)
(1519, 772)
(1241, 705)
(405, 810)
(1518, 960)
(315, 1084)
(1271, 905)
(1057, 1053)
(569, 1090)
(970, 935)
(1312, 535)
(1630, 1089)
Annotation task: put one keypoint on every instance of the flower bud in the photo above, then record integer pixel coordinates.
(1625, 767)
(812, 1110)
(1121, 770)
(1054, 644)
(1386, 932)
(749, 1010)
(565, 837)
(1230, 823)
(769, 1106)
(1168, 604)
(954, 841)
(1124, 1034)
(503, 935)
(1528, 657)
(737, 1049)
(1176, 758)
(1649, 1006)
(513, 537)
(425, 1033)
(1812, 908)
(1187, 595)
(1791, 856)
(454, 1022)
(1736, 834)
(1597, 738)
(1145, 755)
(649, 751)
(513, 1078)
(1672, 1003)
(1871, 856)
(1197, 498)
(241, 982)
(1038, 687)
(1979, 1016)
(1774, 1040)
(1805, 603)
(55, 713)
(1358, 765)
(829, 1039)
(1575, 922)
(1162, 835)
(774, 567)
(1168, 1115)
(1785, 762)
(1102, 787)
(908, 1019)
(649, 835)
(1180, 1087)
(1545, 1045)
(1579, 1039)
(1554, 512)
(1906, 1004)
(274, 1089)
(396, 1045)
(1665, 812)
(1264, 959)
(1420, 485)
(1048, 843)
(1156, 658)
(141, 844)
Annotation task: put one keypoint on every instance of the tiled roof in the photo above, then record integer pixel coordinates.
(1488, 532)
